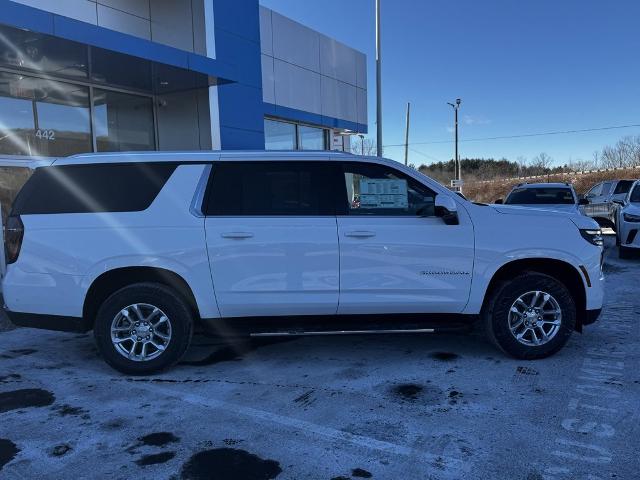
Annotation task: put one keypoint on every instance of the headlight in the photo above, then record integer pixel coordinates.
(628, 217)
(593, 236)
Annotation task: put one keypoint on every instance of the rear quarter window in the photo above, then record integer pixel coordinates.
(93, 188)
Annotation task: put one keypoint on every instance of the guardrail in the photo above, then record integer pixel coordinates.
(547, 175)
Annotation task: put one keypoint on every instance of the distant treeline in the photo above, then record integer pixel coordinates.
(625, 153)
(486, 169)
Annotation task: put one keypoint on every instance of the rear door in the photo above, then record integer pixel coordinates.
(396, 256)
(272, 238)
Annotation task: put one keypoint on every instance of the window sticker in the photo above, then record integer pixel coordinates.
(383, 193)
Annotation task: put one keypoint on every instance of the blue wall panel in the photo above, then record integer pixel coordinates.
(237, 38)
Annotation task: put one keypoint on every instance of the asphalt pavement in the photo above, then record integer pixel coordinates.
(382, 407)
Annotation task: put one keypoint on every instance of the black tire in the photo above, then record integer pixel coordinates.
(624, 253)
(158, 295)
(496, 315)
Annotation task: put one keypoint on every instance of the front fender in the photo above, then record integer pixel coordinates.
(486, 267)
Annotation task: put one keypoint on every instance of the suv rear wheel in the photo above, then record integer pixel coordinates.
(531, 316)
(143, 328)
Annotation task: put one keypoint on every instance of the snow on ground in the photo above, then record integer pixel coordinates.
(385, 407)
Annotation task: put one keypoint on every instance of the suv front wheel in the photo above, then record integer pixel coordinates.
(143, 328)
(531, 316)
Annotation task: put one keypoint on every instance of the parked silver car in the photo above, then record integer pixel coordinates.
(602, 197)
(628, 221)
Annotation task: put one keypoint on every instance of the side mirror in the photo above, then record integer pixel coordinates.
(447, 209)
(618, 201)
(499, 201)
(583, 201)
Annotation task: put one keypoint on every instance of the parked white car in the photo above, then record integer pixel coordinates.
(141, 247)
(628, 222)
(552, 196)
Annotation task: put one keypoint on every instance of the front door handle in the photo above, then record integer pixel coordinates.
(360, 234)
(236, 235)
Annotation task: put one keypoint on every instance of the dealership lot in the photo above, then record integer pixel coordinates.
(387, 407)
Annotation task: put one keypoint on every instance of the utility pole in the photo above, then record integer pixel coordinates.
(406, 136)
(456, 161)
(378, 84)
(361, 144)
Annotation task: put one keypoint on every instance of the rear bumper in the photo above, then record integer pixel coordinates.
(49, 322)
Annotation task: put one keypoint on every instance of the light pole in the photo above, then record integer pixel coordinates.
(456, 161)
(361, 143)
(378, 84)
(406, 135)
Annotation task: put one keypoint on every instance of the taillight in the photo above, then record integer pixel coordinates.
(13, 234)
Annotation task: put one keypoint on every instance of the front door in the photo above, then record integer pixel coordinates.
(396, 256)
(272, 239)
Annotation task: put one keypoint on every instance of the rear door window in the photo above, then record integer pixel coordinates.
(266, 188)
(623, 186)
(93, 188)
(595, 191)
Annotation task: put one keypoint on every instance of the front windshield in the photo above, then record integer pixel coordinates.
(635, 194)
(540, 196)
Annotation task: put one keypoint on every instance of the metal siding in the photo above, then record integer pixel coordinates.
(297, 87)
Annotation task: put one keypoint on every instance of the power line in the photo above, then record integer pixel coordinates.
(425, 155)
(524, 135)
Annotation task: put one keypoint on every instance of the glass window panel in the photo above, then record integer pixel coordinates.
(43, 117)
(42, 53)
(279, 135)
(311, 138)
(540, 196)
(11, 181)
(623, 186)
(123, 122)
(129, 187)
(378, 190)
(270, 188)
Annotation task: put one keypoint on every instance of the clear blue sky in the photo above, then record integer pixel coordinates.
(519, 66)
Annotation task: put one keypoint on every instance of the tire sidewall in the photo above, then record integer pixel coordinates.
(174, 307)
(505, 297)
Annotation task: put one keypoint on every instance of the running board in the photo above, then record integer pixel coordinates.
(338, 332)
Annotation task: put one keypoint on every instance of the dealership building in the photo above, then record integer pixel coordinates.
(122, 75)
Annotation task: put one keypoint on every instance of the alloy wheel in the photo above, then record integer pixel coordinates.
(141, 332)
(535, 318)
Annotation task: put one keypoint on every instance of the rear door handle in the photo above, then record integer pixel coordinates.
(360, 234)
(237, 235)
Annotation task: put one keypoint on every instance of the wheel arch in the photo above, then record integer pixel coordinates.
(561, 270)
(113, 280)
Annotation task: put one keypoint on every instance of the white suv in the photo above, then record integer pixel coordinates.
(547, 196)
(142, 247)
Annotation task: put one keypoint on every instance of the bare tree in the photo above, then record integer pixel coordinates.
(625, 153)
(540, 164)
(366, 146)
(522, 165)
